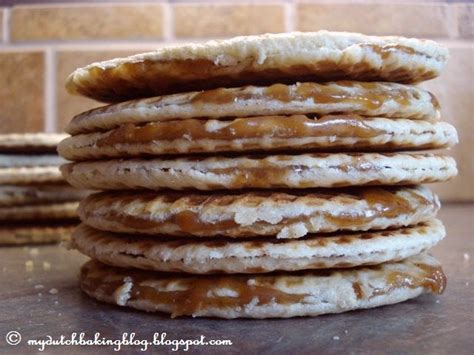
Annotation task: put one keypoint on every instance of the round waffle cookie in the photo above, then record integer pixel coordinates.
(30, 142)
(366, 99)
(278, 171)
(266, 133)
(20, 169)
(258, 255)
(50, 211)
(40, 234)
(30, 175)
(262, 59)
(24, 160)
(12, 195)
(286, 214)
(307, 293)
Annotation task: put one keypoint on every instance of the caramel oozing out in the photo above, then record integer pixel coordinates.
(297, 126)
(433, 278)
(381, 204)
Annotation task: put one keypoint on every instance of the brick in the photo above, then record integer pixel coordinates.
(422, 20)
(69, 105)
(454, 89)
(65, 22)
(21, 95)
(465, 20)
(194, 21)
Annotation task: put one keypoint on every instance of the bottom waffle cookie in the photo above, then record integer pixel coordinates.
(262, 255)
(283, 295)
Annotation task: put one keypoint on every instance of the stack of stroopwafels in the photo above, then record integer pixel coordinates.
(36, 204)
(297, 195)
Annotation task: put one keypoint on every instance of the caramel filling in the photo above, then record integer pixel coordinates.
(254, 127)
(357, 287)
(138, 79)
(433, 279)
(381, 204)
(372, 98)
(197, 297)
(386, 50)
(200, 292)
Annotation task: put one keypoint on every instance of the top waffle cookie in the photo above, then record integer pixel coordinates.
(260, 60)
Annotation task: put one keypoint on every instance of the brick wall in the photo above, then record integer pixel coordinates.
(41, 44)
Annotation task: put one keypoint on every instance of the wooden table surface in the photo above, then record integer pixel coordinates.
(30, 305)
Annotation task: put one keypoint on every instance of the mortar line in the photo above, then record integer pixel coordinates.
(290, 13)
(50, 100)
(6, 25)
